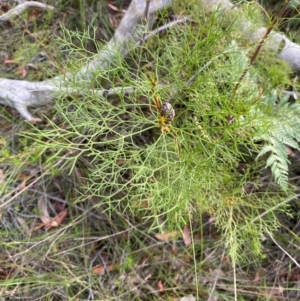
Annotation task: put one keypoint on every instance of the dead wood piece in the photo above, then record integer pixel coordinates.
(22, 94)
(20, 8)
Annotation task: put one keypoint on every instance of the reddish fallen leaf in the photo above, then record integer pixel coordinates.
(23, 184)
(161, 287)
(226, 259)
(9, 62)
(22, 71)
(167, 236)
(99, 269)
(186, 236)
(256, 278)
(55, 222)
(113, 7)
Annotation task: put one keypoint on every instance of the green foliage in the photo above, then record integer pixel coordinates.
(277, 71)
(283, 131)
(171, 177)
(107, 159)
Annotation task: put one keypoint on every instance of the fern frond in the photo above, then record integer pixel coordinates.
(281, 128)
(277, 160)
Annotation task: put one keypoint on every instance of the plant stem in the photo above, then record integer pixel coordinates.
(258, 48)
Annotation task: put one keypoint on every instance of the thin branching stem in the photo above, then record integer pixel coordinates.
(260, 44)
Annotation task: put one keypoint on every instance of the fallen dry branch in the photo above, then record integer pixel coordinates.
(20, 8)
(22, 94)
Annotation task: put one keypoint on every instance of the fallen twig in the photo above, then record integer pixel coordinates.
(20, 8)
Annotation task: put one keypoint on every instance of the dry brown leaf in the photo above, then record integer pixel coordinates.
(2, 177)
(24, 179)
(161, 287)
(22, 71)
(99, 269)
(186, 236)
(112, 7)
(226, 259)
(9, 62)
(57, 220)
(39, 226)
(47, 221)
(23, 184)
(256, 278)
(167, 236)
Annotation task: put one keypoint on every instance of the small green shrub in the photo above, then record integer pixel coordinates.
(172, 177)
